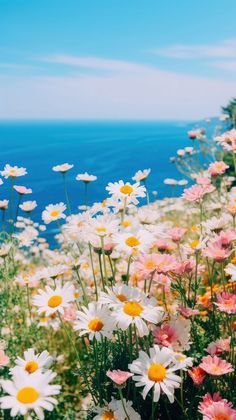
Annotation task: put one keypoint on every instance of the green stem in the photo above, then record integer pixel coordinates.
(66, 192)
(123, 403)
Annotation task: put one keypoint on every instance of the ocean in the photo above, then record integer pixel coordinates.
(109, 150)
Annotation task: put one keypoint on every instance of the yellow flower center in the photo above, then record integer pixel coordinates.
(108, 415)
(126, 223)
(121, 297)
(54, 213)
(95, 325)
(126, 189)
(76, 295)
(132, 241)
(31, 366)
(100, 229)
(27, 395)
(132, 308)
(221, 417)
(156, 372)
(104, 203)
(12, 172)
(194, 244)
(85, 265)
(150, 265)
(194, 228)
(54, 301)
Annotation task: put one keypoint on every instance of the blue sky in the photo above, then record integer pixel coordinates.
(116, 59)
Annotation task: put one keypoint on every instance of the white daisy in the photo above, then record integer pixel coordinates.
(103, 225)
(131, 242)
(231, 270)
(137, 311)
(123, 191)
(121, 293)
(4, 204)
(64, 167)
(54, 300)
(86, 177)
(115, 411)
(95, 320)
(29, 392)
(54, 212)
(13, 171)
(141, 175)
(32, 362)
(28, 206)
(156, 370)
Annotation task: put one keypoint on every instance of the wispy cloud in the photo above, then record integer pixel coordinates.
(125, 90)
(224, 49)
(226, 65)
(17, 66)
(96, 63)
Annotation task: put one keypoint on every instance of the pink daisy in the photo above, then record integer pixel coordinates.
(219, 346)
(219, 411)
(197, 192)
(177, 233)
(146, 265)
(208, 400)
(216, 251)
(215, 366)
(165, 335)
(217, 168)
(4, 359)
(165, 263)
(226, 302)
(119, 376)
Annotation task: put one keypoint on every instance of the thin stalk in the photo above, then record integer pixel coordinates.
(66, 192)
(122, 402)
(94, 276)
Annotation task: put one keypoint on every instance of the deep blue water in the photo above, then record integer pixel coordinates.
(110, 150)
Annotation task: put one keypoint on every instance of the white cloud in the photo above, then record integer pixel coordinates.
(128, 91)
(96, 63)
(226, 65)
(224, 49)
(17, 66)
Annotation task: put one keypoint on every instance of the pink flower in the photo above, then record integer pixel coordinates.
(197, 192)
(22, 190)
(165, 335)
(208, 400)
(4, 360)
(226, 237)
(163, 280)
(146, 264)
(165, 263)
(226, 302)
(119, 376)
(219, 346)
(228, 140)
(217, 168)
(219, 411)
(69, 314)
(185, 267)
(163, 245)
(197, 374)
(192, 134)
(215, 366)
(203, 180)
(188, 312)
(177, 233)
(216, 251)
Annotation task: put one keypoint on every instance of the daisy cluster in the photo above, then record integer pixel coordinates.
(136, 303)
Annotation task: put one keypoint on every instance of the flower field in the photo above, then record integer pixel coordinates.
(132, 315)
